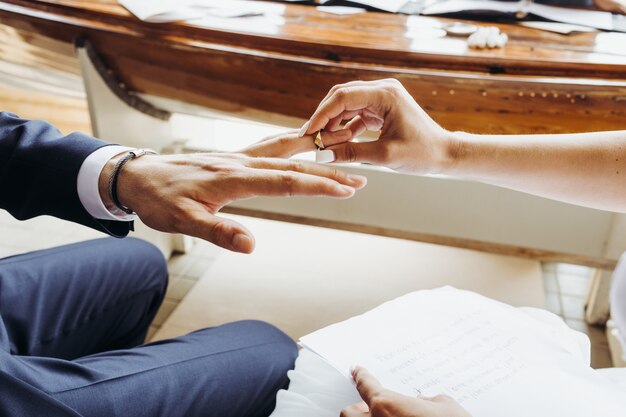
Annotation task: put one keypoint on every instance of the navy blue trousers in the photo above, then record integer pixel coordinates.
(72, 323)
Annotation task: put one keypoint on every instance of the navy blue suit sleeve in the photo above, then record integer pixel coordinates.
(39, 170)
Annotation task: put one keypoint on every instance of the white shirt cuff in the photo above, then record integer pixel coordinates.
(88, 189)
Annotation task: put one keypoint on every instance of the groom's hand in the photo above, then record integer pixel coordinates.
(183, 193)
(381, 402)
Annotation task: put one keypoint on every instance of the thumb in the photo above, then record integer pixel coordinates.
(368, 152)
(367, 385)
(222, 232)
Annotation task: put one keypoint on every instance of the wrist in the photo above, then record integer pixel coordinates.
(451, 152)
(120, 180)
(103, 181)
(133, 181)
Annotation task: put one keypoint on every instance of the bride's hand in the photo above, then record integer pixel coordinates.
(410, 141)
(381, 402)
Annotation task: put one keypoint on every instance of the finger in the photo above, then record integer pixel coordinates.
(367, 385)
(440, 398)
(362, 407)
(356, 126)
(305, 128)
(356, 181)
(336, 87)
(334, 138)
(225, 233)
(290, 132)
(372, 122)
(347, 99)
(366, 152)
(334, 123)
(271, 183)
(341, 89)
(284, 146)
(355, 410)
(344, 100)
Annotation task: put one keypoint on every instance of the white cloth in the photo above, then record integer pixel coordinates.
(87, 185)
(615, 375)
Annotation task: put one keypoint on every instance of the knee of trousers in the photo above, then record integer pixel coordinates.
(151, 259)
(269, 345)
(275, 351)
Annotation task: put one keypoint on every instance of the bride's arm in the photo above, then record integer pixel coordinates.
(587, 169)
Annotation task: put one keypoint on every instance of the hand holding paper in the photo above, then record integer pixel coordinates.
(491, 358)
(381, 402)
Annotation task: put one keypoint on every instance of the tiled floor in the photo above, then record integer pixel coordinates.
(185, 271)
(566, 288)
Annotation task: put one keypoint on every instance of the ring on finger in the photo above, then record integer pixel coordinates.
(318, 141)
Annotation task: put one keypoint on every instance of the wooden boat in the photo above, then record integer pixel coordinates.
(279, 67)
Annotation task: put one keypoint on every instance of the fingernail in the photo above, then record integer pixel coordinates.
(359, 180)
(302, 131)
(325, 156)
(347, 189)
(242, 243)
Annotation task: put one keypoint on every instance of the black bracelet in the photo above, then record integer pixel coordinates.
(116, 173)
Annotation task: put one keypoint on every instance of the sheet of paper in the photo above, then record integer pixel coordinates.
(562, 28)
(393, 6)
(160, 11)
(595, 19)
(490, 357)
(146, 10)
(269, 23)
(341, 10)
(456, 6)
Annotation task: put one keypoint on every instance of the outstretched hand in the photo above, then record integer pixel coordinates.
(184, 193)
(381, 402)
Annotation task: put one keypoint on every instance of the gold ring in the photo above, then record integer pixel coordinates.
(318, 141)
